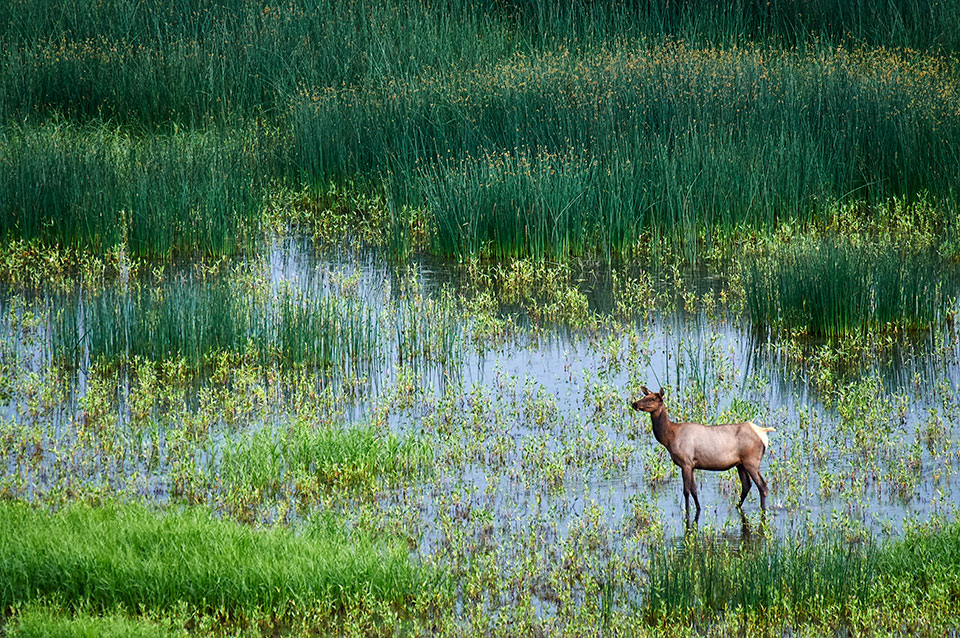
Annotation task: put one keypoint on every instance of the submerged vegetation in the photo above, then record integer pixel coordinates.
(321, 318)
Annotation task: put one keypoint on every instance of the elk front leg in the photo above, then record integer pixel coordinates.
(689, 488)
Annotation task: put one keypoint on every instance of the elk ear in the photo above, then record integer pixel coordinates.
(660, 394)
(643, 389)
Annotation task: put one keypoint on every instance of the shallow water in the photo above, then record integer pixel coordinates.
(537, 437)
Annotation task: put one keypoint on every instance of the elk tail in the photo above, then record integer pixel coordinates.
(762, 433)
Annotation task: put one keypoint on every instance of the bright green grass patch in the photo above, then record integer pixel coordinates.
(827, 288)
(196, 320)
(702, 579)
(129, 557)
(304, 458)
(45, 622)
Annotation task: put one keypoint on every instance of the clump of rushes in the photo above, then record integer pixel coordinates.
(703, 579)
(560, 152)
(127, 557)
(95, 188)
(143, 63)
(828, 288)
(198, 320)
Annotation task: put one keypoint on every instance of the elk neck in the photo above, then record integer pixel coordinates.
(663, 428)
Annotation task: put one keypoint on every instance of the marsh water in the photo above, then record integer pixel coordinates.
(532, 431)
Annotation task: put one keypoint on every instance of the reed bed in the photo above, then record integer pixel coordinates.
(146, 62)
(98, 188)
(151, 63)
(828, 288)
(195, 321)
(125, 556)
(562, 152)
(521, 128)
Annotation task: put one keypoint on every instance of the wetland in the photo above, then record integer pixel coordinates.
(324, 318)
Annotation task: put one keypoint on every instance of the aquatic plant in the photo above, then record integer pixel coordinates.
(317, 458)
(101, 189)
(828, 287)
(132, 62)
(49, 621)
(197, 320)
(702, 579)
(561, 152)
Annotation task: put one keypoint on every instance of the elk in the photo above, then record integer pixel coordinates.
(693, 446)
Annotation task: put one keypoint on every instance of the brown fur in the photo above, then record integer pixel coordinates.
(693, 446)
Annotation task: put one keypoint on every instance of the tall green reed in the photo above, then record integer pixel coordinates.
(798, 580)
(196, 321)
(149, 62)
(697, 116)
(703, 578)
(674, 140)
(97, 188)
(829, 288)
(153, 63)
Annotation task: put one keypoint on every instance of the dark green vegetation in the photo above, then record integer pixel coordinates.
(129, 558)
(828, 288)
(505, 128)
(319, 318)
(91, 186)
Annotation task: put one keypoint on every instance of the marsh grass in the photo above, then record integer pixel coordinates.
(316, 458)
(37, 621)
(563, 152)
(196, 320)
(828, 288)
(140, 62)
(95, 188)
(125, 556)
(509, 128)
(702, 579)
(148, 63)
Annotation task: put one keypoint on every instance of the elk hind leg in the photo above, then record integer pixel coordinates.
(744, 484)
(754, 472)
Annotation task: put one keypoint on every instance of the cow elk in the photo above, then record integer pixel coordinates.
(694, 446)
